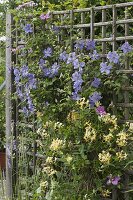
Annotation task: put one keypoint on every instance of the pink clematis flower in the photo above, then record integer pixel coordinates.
(45, 16)
(113, 180)
(100, 110)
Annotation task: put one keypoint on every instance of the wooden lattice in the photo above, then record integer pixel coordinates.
(88, 26)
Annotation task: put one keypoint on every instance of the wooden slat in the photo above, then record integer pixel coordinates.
(92, 24)
(95, 8)
(103, 34)
(98, 24)
(124, 71)
(82, 22)
(124, 105)
(9, 190)
(71, 30)
(126, 93)
(114, 28)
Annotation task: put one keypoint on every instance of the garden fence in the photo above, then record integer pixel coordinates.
(109, 32)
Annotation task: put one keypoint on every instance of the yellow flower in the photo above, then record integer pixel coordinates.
(104, 157)
(58, 125)
(56, 144)
(49, 160)
(90, 134)
(69, 159)
(47, 124)
(111, 120)
(122, 139)
(44, 184)
(105, 193)
(108, 138)
(131, 126)
(73, 116)
(121, 155)
(49, 171)
(82, 102)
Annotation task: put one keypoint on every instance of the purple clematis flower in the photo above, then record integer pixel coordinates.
(54, 70)
(126, 47)
(94, 98)
(96, 82)
(32, 81)
(75, 96)
(100, 110)
(76, 64)
(71, 57)
(63, 56)
(45, 16)
(79, 44)
(25, 111)
(76, 76)
(28, 28)
(77, 85)
(17, 75)
(105, 68)
(47, 52)
(24, 71)
(113, 57)
(19, 93)
(90, 44)
(42, 62)
(113, 180)
(94, 55)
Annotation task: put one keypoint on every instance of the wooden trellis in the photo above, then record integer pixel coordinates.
(87, 29)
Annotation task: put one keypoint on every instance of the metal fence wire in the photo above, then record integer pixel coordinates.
(109, 26)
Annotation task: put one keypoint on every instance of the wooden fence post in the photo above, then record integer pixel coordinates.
(8, 109)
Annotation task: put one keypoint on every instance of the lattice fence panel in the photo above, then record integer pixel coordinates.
(102, 24)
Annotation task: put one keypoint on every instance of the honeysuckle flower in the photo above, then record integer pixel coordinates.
(45, 16)
(47, 52)
(104, 68)
(96, 82)
(104, 157)
(28, 28)
(56, 144)
(121, 155)
(126, 47)
(90, 44)
(122, 138)
(100, 110)
(94, 55)
(113, 57)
